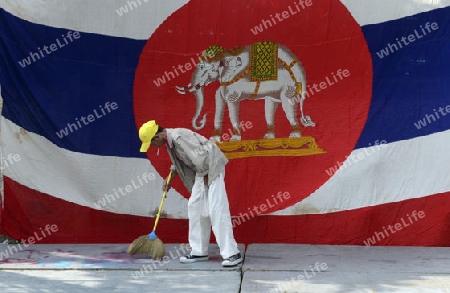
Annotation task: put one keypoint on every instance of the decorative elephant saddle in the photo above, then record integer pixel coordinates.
(263, 60)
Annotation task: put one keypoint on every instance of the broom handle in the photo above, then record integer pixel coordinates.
(169, 178)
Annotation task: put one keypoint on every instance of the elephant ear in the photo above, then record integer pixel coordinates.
(232, 61)
(232, 66)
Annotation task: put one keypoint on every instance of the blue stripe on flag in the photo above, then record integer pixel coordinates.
(412, 81)
(72, 82)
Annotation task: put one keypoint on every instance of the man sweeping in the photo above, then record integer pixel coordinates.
(201, 167)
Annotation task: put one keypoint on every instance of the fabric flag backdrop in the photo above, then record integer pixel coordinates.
(365, 83)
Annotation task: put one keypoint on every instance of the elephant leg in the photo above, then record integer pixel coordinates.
(233, 109)
(290, 110)
(270, 107)
(218, 117)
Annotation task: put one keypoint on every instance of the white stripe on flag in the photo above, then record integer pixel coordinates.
(99, 16)
(401, 170)
(98, 182)
(372, 12)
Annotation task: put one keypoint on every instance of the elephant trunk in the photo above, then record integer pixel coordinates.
(199, 99)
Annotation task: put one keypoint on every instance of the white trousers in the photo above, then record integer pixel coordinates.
(208, 207)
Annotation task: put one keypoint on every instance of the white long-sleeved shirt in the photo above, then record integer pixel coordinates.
(194, 155)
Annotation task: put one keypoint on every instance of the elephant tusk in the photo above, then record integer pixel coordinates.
(184, 87)
(180, 88)
(187, 89)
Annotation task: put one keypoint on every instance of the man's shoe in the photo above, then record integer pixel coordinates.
(193, 258)
(232, 260)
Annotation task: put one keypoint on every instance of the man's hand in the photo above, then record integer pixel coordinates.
(166, 186)
(205, 180)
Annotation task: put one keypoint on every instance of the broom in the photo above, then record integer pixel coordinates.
(150, 244)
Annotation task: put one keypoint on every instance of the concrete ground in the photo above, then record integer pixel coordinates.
(275, 268)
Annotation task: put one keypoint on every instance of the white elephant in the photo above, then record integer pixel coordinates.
(233, 69)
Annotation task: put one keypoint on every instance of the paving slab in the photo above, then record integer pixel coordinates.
(280, 268)
(103, 256)
(100, 281)
(343, 282)
(108, 268)
(297, 257)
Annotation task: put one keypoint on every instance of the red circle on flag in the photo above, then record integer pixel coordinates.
(332, 49)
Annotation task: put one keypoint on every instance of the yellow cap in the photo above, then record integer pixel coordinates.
(146, 133)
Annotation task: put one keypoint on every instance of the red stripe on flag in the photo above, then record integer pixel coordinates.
(26, 211)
